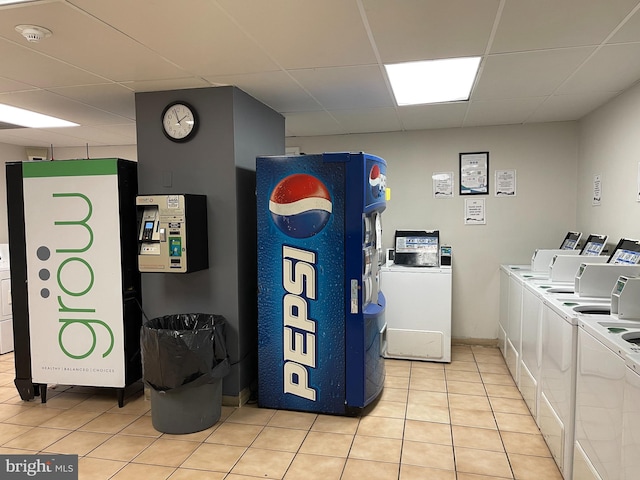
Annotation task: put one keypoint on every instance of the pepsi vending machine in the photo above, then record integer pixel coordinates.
(320, 310)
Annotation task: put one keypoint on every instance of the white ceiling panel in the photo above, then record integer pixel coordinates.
(541, 24)
(318, 63)
(417, 29)
(370, 120)
(346, 87)
(528, 74)
(327, 33)
(567, 107)
(426, 117)
(501, 112)
(275, 89)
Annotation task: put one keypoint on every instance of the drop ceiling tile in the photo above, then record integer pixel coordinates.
(368, 120)
(309, 124)
(542, 24)
(305, 33)
(424, 29)
(27, 66)
(501, 112)
(630, 31)
(198, 36)
(110, 97)
(8, 85)
(559, 108)
(613, 68)
(167, 84)
(40, 138)
(441, 115)
(527, 74)
(278, 90)
(49, 103)
(346, 87)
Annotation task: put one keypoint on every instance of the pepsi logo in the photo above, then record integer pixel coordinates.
(300, 205)
(377, 181)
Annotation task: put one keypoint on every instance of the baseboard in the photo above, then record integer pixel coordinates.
(483, 342)
(237, 401)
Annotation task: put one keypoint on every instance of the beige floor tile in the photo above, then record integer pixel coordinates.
(527, 467)
(168, 453)
(462, 366)
(109, 423)
(473, 476)
(99, 402)
(509, 405)
(37, 438)
(15, 451)
(251, 415)
(34, 416)
(413, 472)
(287, 419)
(483, 462)
(472, 418)
(479, 438)
(430, 432)
(237, 434)
(463, 376)
(377, 449)
(133, 405)
(511, 422)
(121, 447)
(383, 408)
(428, 373)
(429, 384)
(428, 399)
(525, 444)
(190, 474)
(394, 395)
(330, 444)
(497, 379)
(498, 368)
(8, 431)
(261, 463)
(398, 370)
(336, 424)
(71, 419)
(363, 469)
(465, 388)
(427, 455)
(315, 467)
(141, 426)
(217, 458)
(134, 471)
(8, 411)
(97, 469)
(428, 413)
(7, 393)
(200, 436)
(504, 391)
(469, 402)
(79, 443)
(66, 400)
(381, 427)
(420, 365)
(283, 439)
(396, 382)
(489, 359)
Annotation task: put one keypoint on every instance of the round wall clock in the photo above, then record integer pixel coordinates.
(179, 121)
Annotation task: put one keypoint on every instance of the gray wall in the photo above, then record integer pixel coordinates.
(218, 162)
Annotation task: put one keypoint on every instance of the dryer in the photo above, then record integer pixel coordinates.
(6, 314)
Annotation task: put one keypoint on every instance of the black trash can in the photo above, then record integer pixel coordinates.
(184, 360)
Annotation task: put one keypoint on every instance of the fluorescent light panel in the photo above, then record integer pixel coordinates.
(433, 81)
(26, 118)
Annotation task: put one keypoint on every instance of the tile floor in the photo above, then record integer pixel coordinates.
(460, 421)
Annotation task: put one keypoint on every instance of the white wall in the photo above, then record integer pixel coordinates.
(610, 147)
(8, 153)
(545, 159)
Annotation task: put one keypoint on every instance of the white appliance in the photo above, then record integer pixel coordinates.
(418, 312)
(631, 419)
(6, 315)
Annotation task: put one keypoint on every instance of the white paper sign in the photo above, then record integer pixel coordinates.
(474, 212)
(597, 190)
(442, 184)
(505, 183)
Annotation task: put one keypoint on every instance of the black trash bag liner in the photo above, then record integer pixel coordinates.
(183, 350)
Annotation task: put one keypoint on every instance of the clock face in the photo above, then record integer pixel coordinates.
(179, 121)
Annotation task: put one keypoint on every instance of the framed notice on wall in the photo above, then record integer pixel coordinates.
(474, 173)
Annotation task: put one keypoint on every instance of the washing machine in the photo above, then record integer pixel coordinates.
(631, 418)
(6, 314)
(556, 409)
(418, 312)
